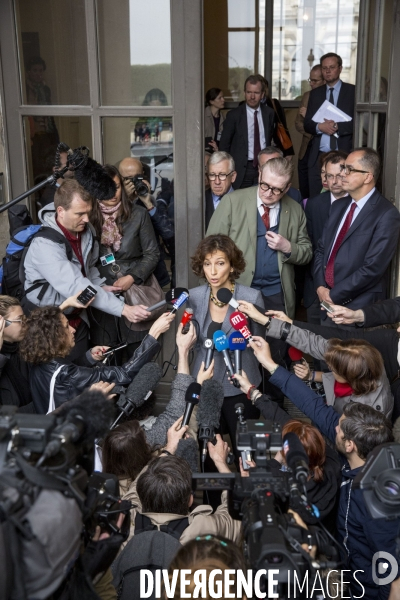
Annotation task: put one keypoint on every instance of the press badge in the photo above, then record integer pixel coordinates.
(107, 259)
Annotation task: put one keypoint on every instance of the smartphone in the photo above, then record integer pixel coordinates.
(327, 307)
(112, 350)
(87, 294)
(246, 455)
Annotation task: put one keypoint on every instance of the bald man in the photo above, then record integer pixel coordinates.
(129, 168)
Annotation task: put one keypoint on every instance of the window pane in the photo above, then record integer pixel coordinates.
(302, 34)
(367, 51)
(150, 139)
(53, 51)
(241, 14)
(135, 52)
(241, 61)
(384, 45)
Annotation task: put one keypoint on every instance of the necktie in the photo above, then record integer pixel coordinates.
(257, 146)
(265, 216)
(332, 140)
(329, 278)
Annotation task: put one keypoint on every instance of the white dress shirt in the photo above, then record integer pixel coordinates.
(273, 213)
(250, 130)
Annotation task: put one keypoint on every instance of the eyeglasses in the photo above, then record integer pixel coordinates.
(314, 80)
(9, 322)
(348, 170)
(333, 177)
(266, 188)
(221, 176)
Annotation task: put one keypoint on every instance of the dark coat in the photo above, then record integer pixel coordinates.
(14, 379)
(235, 139)
(346, 103)
(209, 207)
(364, 255)
(382, 313)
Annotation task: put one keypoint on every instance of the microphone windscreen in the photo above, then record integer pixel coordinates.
(96, 412)
(238, 320)
(220, 341)
(293, 450)
(145, 381)
(173, 294)
(295, 354)
(95, 180)
(237, 342)
(193, 393)
(212, 328)
(188, 449)
(211, 400)
(224, 295)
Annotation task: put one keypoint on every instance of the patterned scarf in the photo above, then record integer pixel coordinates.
(110, 235)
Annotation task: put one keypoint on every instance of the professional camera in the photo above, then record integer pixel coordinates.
(272, 537)
(141, 187)
(47, 494)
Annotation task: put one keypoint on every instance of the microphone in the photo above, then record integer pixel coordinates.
(139, 390)
(85, 419)
(179, 302)
(296, 457)
(209, 412)
(209, 344)
(192, 398)
(189, 450)
(222, 345)
(186, 318)
(239, 323)
(170, 297)
(224, 295)
(295, 355)
(237, 344)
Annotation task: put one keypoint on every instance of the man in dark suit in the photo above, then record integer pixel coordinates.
(359, 239)
(317, 214)
(328, 135)
(221, 175)
(247, 129)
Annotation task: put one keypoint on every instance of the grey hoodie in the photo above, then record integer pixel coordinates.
(47, 261)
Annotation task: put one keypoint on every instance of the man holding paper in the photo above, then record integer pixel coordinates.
(331, 126)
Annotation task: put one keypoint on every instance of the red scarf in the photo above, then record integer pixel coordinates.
(342, 389)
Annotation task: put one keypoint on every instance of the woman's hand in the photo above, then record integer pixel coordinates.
(243, 381)
(302, 370)
(262, 352)
(174, 434)
(250, 310)
(72, 302)
(105, 387)
(98, 351)
(2, 327)
(279, 314)
(124, 283)
(185, 341)
(162, 325)
(203, 375)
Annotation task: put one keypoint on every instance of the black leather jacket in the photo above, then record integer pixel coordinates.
(71, 379)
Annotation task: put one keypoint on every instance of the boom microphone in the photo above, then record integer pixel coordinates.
(296, 457)
(170, 297)
(209, 412)
(222, 345)
(295, 355)
(209, 344)
(192, 397)
(224, 295)
(239, 323)
(139, 390)
(237, 344)
(189, 450)
(186, 318)
(88, 173)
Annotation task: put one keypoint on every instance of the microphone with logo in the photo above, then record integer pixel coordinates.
(170, 297)
(237, 344)
(222, 345)
(186, 318)
(240, 323)
(295, 355)
(184, 297)
(224, 295)
(192, 398)
(209, 344)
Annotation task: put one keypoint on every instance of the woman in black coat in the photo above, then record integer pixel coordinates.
(127, 239)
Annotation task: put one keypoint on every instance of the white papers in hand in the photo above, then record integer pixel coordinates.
(329, 111)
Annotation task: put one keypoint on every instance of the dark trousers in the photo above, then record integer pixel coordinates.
(278, 348)
(302, 167)
(314, 178)
(251, 175)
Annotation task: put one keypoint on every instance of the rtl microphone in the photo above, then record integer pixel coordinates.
(222, 345)
(209, 344)
(296, 457)
(192, 398)
(237, 344)
(296, 356)
(224, 295)
(179, 302)
(239, 323)
(186, 318)
(170, 297)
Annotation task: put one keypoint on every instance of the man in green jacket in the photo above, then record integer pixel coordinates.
(270, 229)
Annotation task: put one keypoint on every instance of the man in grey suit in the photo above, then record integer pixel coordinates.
(247, 129)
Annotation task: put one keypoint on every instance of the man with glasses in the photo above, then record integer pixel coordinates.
(359, 239)
(221, 174)
(315, 80)
(328, 135)
(270, 229)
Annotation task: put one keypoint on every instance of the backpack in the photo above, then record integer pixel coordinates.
(149, 549)
(22, 232)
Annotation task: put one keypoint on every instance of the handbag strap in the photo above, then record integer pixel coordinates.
(276, 112)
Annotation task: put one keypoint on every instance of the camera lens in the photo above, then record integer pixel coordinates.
(392, 488)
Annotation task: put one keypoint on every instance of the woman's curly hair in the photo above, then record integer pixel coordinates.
(45, 336)
(221, 242)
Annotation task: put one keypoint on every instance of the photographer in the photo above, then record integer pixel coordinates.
(356, 433)
(135, 185)
(49, 339)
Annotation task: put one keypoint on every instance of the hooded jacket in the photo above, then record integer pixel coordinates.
(365, 536)
(47, 261)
